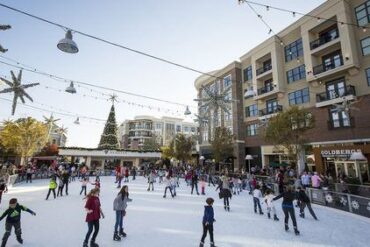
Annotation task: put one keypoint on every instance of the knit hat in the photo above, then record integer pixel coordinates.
(13, 201)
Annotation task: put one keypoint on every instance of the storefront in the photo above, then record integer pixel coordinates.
(336, 160)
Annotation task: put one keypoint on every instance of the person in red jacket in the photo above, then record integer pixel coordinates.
(93, 210)
(126, 174)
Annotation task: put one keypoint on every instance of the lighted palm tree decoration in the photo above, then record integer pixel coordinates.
(4, 27)
(50, 122)
(63, 130)
(17, 88)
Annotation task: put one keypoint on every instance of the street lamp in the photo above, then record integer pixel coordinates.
(71, 89)
(249, 158)
(67, 44)
(187, 111)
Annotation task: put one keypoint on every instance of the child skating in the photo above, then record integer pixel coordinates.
(84, 183)
(52, 187)
(268, 199)
(257, 194)
(208, 220)
(13, 219)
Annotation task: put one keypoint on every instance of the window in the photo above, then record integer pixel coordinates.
(368, 76)
(158, 126)
(271, 106)
(252, 130)
(296, 74)
(293, 50)
(335, 89)
(227, 81)
(227, 116)
(247, 73)
(178, 128)
(299, 97)
(193, 129)
(339, 119)
(362, 13)
(186, 129)
(365, 45)
(251, 111)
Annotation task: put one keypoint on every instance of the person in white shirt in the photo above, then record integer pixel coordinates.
(270, 205)
(305, 180)
(168, 186)
(257, 194)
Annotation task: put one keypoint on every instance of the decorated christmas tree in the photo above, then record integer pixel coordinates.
(109, 138)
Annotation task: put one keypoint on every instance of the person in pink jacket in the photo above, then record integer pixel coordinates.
(316, 180)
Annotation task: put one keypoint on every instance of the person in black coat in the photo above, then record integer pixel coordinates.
(303, 202)
(207, 222)
(194, 182)
(288, 197)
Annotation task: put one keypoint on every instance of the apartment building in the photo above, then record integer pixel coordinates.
(227, 79)
(315, 63)
(133, 133)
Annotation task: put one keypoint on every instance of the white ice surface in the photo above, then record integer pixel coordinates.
(153, 221)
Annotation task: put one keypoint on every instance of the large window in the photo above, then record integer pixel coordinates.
(368, 76)
(336, 88)
(251, 111)
(252, 130)
(299, 97)
(365, 46)
(339, 119)
(293, 50)
(296, 74)
(247, 73)
(362, 13)
(227, 81)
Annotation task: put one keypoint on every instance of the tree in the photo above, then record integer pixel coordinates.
(222, 144)
(182, 147)
(168, 152)
(151, 144)
(49, 150)
(24, 136)
(287, 131)
(109, 139)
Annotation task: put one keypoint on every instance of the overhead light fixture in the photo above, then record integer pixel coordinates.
(187, 111)
(71, 89)
(77, 121)
(267, 8)
(293, 14)
(67, 44)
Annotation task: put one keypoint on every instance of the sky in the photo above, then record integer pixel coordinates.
(202, 34)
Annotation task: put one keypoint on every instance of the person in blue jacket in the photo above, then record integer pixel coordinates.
(208, 220)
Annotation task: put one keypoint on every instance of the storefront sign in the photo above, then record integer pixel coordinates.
(338, 152)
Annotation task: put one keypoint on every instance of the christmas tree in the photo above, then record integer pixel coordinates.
(109, 138)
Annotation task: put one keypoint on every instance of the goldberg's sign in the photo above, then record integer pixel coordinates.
(338, 152)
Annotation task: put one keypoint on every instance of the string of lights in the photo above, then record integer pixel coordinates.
(31, 69)
(70, 30)
(294, 13)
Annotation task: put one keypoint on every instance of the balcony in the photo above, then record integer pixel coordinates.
(330, 36)
(265, 89)
(263, 70)
(272, 110)
(341, 123)
(331, 97)
(328, 66)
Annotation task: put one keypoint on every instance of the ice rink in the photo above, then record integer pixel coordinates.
(154, 221)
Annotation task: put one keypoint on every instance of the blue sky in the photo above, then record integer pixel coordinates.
(204, 34)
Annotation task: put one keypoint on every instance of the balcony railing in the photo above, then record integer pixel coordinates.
(272, 110)
(329, 95)
(328, 66)
(265, 89)
(343, 123)
(263, 69)
(324, 39)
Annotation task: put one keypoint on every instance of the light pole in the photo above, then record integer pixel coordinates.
(249, 158)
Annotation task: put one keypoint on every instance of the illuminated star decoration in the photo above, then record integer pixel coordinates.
(216, 100)
(4, 27)
(17, 88)
(113, 98)
(63, 130)
(50, 121)
(346, 106)
(200, 119)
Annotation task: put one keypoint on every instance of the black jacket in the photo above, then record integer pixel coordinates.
(303, 197)
(288, 198)
(13, 215)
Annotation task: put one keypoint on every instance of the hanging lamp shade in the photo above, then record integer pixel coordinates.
(67, 44)
(187, 111)
(71, 89)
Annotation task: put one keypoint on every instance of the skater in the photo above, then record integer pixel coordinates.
(194, 183)
(303, 202)
(210, 180)
(3, 188)
(119, 177)
(151, 179)
(235, 185)
(13, 219)
(173, 185)
(257, 194)
(29, 174)
(270, 205)
(73, 173)
(60, 186)
(288, 208)
(168, 186)
(120, 205)
(208, 220)
(65, 177)
(203, 186)
(225, 192)
(94, 212)
(97, 182)
(84, 183)
(134, 173)
(127, 173)
(52, 187)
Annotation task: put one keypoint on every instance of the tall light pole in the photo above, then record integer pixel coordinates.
(249, 158)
